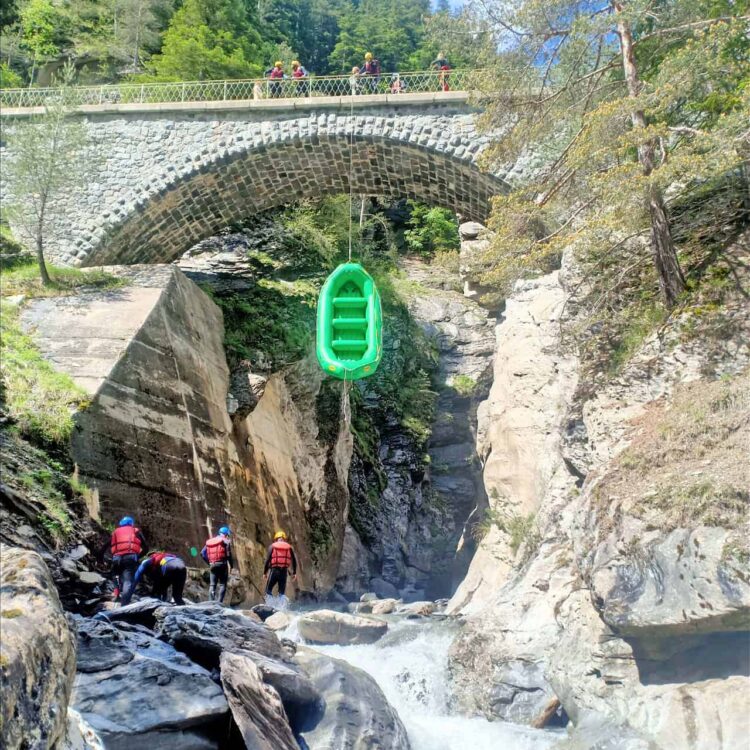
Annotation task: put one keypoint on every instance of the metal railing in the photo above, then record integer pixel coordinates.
(242, 90)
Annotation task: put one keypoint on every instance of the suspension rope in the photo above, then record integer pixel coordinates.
(351, 171)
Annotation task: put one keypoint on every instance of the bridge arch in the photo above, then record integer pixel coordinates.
(173, 178)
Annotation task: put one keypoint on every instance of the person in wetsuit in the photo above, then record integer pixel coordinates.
(164, 570)
(279, 560)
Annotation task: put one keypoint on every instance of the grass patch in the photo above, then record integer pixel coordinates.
(37, 397)
(522, 531)
(24, 279)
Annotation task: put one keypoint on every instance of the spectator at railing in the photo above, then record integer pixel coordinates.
(440, 63)
(355, 81)
(371, 73)
(398, 84)
(302, 85)
(276, 76)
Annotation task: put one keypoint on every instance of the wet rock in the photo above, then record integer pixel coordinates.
(80, 734)
(278, 621)
(357, 714)
(256, 707)
(91, 578)
(383, 589)
(370, 596)
(142, 612)
(37, 653)
(143, 689)
(520, 691)
(203, 631)
(325, 626)
(264, 611)
(416, 608)
(377, 606)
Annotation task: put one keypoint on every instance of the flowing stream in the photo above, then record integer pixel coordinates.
(410, 664)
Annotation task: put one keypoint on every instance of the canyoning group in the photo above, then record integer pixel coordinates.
(166, 571)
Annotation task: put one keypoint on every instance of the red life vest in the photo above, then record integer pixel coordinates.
(299, 72)
(216, 548)
(125, 541)
(276, 73)
(281, 554)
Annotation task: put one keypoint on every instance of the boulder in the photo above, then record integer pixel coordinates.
(416, 608)
(264, 611)
(325, 626)
(383, 589)
(37, 653)
(377, 606)
(142, 612)
(256, 707)
(143, 691)
(357, 714)
(370, 596)
(278, 621)
(203, 631)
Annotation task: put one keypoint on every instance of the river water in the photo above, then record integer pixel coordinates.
(410, 663)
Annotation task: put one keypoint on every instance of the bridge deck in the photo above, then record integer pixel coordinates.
(342, 103)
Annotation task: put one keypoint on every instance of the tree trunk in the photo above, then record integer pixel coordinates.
(671, 280)
(43, 272)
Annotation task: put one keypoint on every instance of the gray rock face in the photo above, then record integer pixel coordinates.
(132, 685)
(328, 627)
(357, 715)
(203, 631)
(256, 707)
(37, 653)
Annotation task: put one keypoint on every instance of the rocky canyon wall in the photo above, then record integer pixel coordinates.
(625, 606)
(157, 440)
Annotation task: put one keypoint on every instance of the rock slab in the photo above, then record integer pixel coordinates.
(37, 653)
(325, 626)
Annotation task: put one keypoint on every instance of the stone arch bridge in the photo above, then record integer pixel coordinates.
(173, 174)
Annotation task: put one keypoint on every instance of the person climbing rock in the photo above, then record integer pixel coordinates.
(371, 72)
(279, 559)
(125, 544)
(163, 570)
(217, 552)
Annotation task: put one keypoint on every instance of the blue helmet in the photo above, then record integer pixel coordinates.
(225, 530)
(127, 521)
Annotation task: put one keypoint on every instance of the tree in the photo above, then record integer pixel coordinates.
(44, 27)
(138, 28)
(209, 39)
(50, 155)
(582, 84)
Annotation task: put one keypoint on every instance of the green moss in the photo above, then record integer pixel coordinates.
(464, 385)
(10, 614)
(321, 539)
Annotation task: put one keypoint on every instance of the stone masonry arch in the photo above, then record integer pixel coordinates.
(172, 178)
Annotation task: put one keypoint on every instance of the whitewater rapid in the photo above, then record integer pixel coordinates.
(410, 664)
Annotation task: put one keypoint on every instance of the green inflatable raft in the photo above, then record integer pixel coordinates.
(350, 324)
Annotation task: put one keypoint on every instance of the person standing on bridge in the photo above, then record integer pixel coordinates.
(371, 72)
(440, 63)
(276, 75)
(355, 80)
(300, 76)
(217, 552)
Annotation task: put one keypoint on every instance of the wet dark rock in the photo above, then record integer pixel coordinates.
(203, 631)
(264, 611)
(357, 714)
(132, 687)
(383, 589)
(142, 612)
(255, 706)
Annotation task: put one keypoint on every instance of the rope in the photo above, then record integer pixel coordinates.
(351, 171)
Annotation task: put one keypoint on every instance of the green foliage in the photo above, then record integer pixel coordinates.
(9, 79)
(391, 29)
(431, 230)
(521, 530)
(464, 385)
(209, 39)
(23, 278)
(56, 519)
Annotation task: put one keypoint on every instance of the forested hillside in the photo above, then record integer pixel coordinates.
(167, 40)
